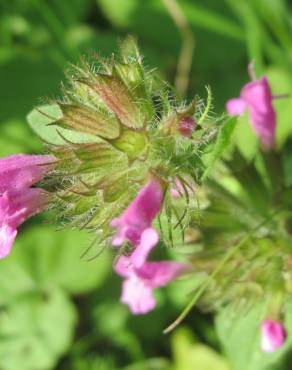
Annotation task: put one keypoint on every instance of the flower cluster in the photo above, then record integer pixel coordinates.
(138, 150)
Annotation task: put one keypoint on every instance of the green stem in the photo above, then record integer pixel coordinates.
(188, 45)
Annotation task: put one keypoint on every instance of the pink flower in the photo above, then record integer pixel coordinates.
(23, 170)
(139, 215)
(17, 200)
(273, 335)
(142, 277)
(256, 96)
(186, 126)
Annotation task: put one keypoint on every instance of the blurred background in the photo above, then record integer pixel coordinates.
(57, 310)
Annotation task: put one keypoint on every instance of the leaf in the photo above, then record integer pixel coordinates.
(16, 137)
(40, 119)
(189, 355)
(36, 330)
(42, 257)
(222, 142)
(240, 336)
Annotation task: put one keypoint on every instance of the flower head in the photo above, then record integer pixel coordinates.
(142, 277)
(139, 214)
(273, 335)
(17, 200)
(256, 96)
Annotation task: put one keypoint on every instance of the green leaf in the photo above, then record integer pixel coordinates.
(36, 330)
(40, 119)
(239, 334)
(222, 142)
(16, 137)
(42, 257)
(189, 355)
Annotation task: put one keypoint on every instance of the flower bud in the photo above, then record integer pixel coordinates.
(273, 335)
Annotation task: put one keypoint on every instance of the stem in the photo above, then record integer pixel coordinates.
(188, 45)
(281, 96)
(203, 287)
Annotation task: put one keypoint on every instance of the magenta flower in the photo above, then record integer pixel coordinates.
(256, 96)
(273, 335)
(142, 277)
(23, 170)
(17, 200)
(186, 126)
(139, 215)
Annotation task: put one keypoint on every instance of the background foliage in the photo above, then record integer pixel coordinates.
(61, 311)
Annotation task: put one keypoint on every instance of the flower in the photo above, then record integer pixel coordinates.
(142, 277)
(139, 214)
(273, 335)
(17, 200)
(23, 170)
(186, 126)
(256, 96)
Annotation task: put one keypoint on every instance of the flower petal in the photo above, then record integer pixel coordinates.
(137, 296)
(124, 266)
(273, 335)
(258, 97)
(7, 237)
(236, 107)
(23, 170)
(149, 239)
(139, 214)
(158, 274)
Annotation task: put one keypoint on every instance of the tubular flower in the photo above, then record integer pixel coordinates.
(17, 200)
(139, 214)
(141, 277)
(256, 96)
(273, 335)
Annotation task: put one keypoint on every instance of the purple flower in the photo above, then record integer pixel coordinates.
(23, 170)
(273, 335)
(139, 215)
(256, 96)
(186, 126)
(142, 277)
(17, 200)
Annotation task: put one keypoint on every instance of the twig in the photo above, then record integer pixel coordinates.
(188, 45)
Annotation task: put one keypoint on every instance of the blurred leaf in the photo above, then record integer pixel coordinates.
(287, 162)
(26, 78)
(39, 120)
(281, 83)
(35, 331)
(240, 336)
(151, 364)
(42, 257)
(16, 137)
(189, 355)
(125, 13)
(221, 144)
